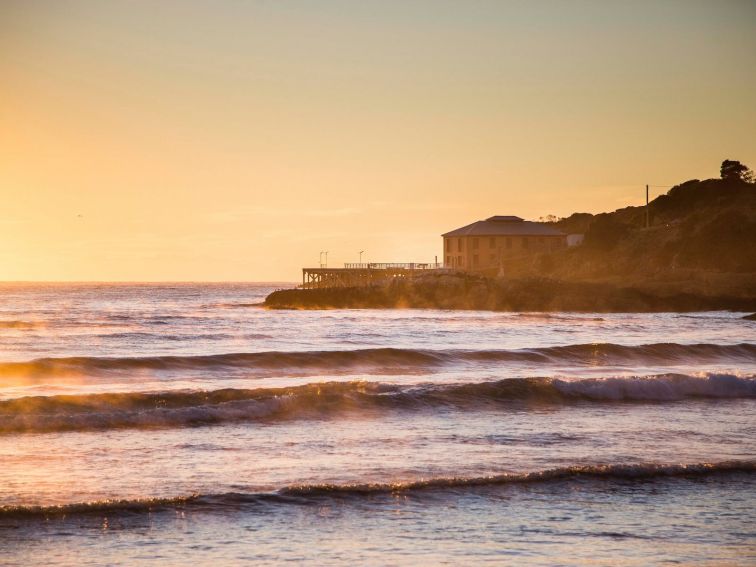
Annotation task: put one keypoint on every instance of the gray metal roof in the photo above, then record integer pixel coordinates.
(504, 218)
(505, 226)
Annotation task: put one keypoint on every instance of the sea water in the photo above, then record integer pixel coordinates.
(177, 423)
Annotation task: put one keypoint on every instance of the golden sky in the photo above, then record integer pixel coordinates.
(181, 140)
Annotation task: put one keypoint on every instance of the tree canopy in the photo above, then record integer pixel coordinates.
(733, 169)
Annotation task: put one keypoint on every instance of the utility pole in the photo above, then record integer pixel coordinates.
(320, 259)
(361, 251)
(647, 223)
(326, 255)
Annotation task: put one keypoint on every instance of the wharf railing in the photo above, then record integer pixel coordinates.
(394, 266)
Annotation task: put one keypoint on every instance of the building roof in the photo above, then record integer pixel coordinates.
(505, 226)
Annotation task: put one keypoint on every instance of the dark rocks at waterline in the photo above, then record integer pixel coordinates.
(530, 294)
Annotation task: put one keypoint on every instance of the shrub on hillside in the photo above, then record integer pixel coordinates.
(605, 233)
(725, 242)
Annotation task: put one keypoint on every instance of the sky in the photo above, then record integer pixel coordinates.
(234, 141)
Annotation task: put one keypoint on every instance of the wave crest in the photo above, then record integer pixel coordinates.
(182, 408)
(307, 493)
(383, 359)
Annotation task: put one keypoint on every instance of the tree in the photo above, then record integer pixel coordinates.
(734, 170)
(549, 218)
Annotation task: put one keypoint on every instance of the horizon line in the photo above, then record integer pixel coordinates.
(145, 282)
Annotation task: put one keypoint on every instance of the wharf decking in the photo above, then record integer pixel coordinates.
(356, 275)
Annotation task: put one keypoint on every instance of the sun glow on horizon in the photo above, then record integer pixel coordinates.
(184, 141)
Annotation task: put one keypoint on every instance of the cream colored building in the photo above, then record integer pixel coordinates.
(486, 245)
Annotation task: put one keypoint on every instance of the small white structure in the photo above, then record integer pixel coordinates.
(575, 239)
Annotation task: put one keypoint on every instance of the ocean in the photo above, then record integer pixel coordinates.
(176, 423)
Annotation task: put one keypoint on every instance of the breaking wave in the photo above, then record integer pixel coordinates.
(303, 494)
(330, 399)
(387, 358)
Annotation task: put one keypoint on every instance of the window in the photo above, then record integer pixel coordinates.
(475, 260)
(524, 241)
(459, 245)
(541, 240)
(509, 242)
(447, 244)
(492, 258)
(476, 242)
(448, 260)
(492, 242)
(459, 262)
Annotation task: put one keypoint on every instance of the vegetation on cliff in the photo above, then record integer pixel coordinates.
(695, 229)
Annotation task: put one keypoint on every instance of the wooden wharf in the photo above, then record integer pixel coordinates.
(359, 275)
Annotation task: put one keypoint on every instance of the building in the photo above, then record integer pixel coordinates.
(487, 245)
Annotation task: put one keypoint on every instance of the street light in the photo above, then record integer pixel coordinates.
(320, 259)
(361, 251)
